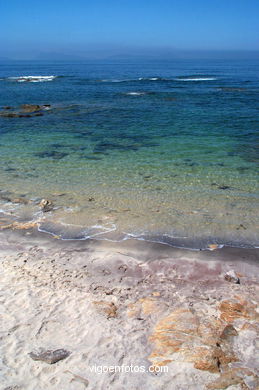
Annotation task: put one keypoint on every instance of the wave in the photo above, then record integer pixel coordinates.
(32, 79)
(70, 232)
(109, 232)
(195, 78)
(135, 93)
(132, 80)
(151, 79)
(145, 79)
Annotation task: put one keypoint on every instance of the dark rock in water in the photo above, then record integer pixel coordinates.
(241, 226)
(7, 108)
(51, 154)
(30, 107)
(46, 205)
(232, 277)
(224, 187)
(20, 200)
(231, 89)
(5, 197)
(57, 146)
(92, 158)
(39, 114)
(9, 115)
(50, 356)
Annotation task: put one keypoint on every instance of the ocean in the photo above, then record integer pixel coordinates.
(162, 151)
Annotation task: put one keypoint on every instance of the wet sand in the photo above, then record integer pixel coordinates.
(122, 304)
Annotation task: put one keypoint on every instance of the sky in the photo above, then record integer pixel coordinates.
(32, 28)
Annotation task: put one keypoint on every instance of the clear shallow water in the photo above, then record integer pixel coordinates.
(163, 151)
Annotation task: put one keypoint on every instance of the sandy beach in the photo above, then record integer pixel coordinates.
(133, 305)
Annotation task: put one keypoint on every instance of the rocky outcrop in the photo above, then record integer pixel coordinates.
(24, 111)
(193, 338)
(232, 277)
(30, 107)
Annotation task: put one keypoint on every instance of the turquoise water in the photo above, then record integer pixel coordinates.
(165, 151)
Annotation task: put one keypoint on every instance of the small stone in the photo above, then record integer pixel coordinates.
(156, 294)
(212, 247)
(50, 356)
(224, 187)
(232, 277)
(46, 205)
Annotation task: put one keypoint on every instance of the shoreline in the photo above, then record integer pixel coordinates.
(107, 231)
(129, 303)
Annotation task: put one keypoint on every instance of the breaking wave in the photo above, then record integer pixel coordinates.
(32, 79)
(195, 78)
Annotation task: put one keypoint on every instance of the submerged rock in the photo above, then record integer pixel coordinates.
(50, 356)
(51, 154)
(9, 114)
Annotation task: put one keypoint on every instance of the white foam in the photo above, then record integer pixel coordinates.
(149, 78)
(32, 79)
(196, 79)
(135, 93)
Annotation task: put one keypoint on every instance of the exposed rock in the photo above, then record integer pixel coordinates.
(237, 308)
(50, 356)
(30, 107)
(46, 205)
(231, 276)
(232, 377)
(204, 341)
(24, 111)
(108, 308)
(144, 307)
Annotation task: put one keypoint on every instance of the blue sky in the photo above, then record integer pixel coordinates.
(114, 26)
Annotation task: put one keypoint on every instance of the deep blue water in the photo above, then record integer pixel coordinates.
(166, 151)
